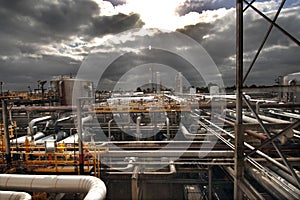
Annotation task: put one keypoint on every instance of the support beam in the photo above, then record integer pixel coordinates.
(273, 23)
(239, 132)
(264, 40)
(275, 145)
(273, 138)
(134, 184)
(79, 131)
(210, 183)
(6, 132)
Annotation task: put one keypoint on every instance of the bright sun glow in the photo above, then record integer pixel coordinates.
(159, 13)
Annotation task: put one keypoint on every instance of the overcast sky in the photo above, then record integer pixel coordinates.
(40, 39)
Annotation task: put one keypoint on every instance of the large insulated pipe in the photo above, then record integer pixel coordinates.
(93, 186)
(61, 120)
(75, 137)
(277, 187)
(22, 139)
(34, 121)
(283, 174)
(12, 195)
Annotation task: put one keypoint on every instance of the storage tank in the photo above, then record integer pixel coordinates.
(63, 89)
(292, 80)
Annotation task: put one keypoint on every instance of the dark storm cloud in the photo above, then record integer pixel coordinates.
(36, 37)
(131, 60)
(45, 21)
(19, 74)
(202, 5)
(116, 2)
(278, 57)
(113, 24)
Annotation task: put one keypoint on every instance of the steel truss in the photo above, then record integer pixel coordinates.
(240, 156)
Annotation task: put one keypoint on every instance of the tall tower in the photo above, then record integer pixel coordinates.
(178, 87)
(158, 83)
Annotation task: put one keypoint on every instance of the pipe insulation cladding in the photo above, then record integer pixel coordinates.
(94, 187)
(12, 195)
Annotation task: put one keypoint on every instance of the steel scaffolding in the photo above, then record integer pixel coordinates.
(240, 156)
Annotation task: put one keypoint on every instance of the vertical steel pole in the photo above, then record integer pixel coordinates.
(239, 133)
(134, 184)
(6, 133)
(79, 131)
(209, 183)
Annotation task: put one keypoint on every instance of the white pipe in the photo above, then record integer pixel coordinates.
(138, 130)
(65, 119)
(126, 169)
(93, 186)
(42, 140)
(109, 131)
(283, 138)
(12, 195)
(75, 137)
(62, 120)
(172, 170)
(231, 113)
(70, 139)
(192, 136)
(269, 119)
(168, 128)
(21, 140)
(278, 187)
(86, 119)
(34, 121)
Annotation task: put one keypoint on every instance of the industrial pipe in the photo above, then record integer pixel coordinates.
(249, 132)
(93, 186)
(31, 138)
(249, 190)
(277, 187)
(75, 137)
(129, 166)
(61, 120)
(86, 119)
(269, 119)
(34, 121)
(168, 128)
(251, 147)
(191, 136)
(172, 170)
(138, 130)
(283, 174)
(12, 195)
(109, 131)
(231, 113)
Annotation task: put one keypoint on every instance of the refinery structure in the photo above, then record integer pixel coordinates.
(71, 141)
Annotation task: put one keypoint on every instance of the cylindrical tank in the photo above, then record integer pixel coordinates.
(292, 79)
(63, 89)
